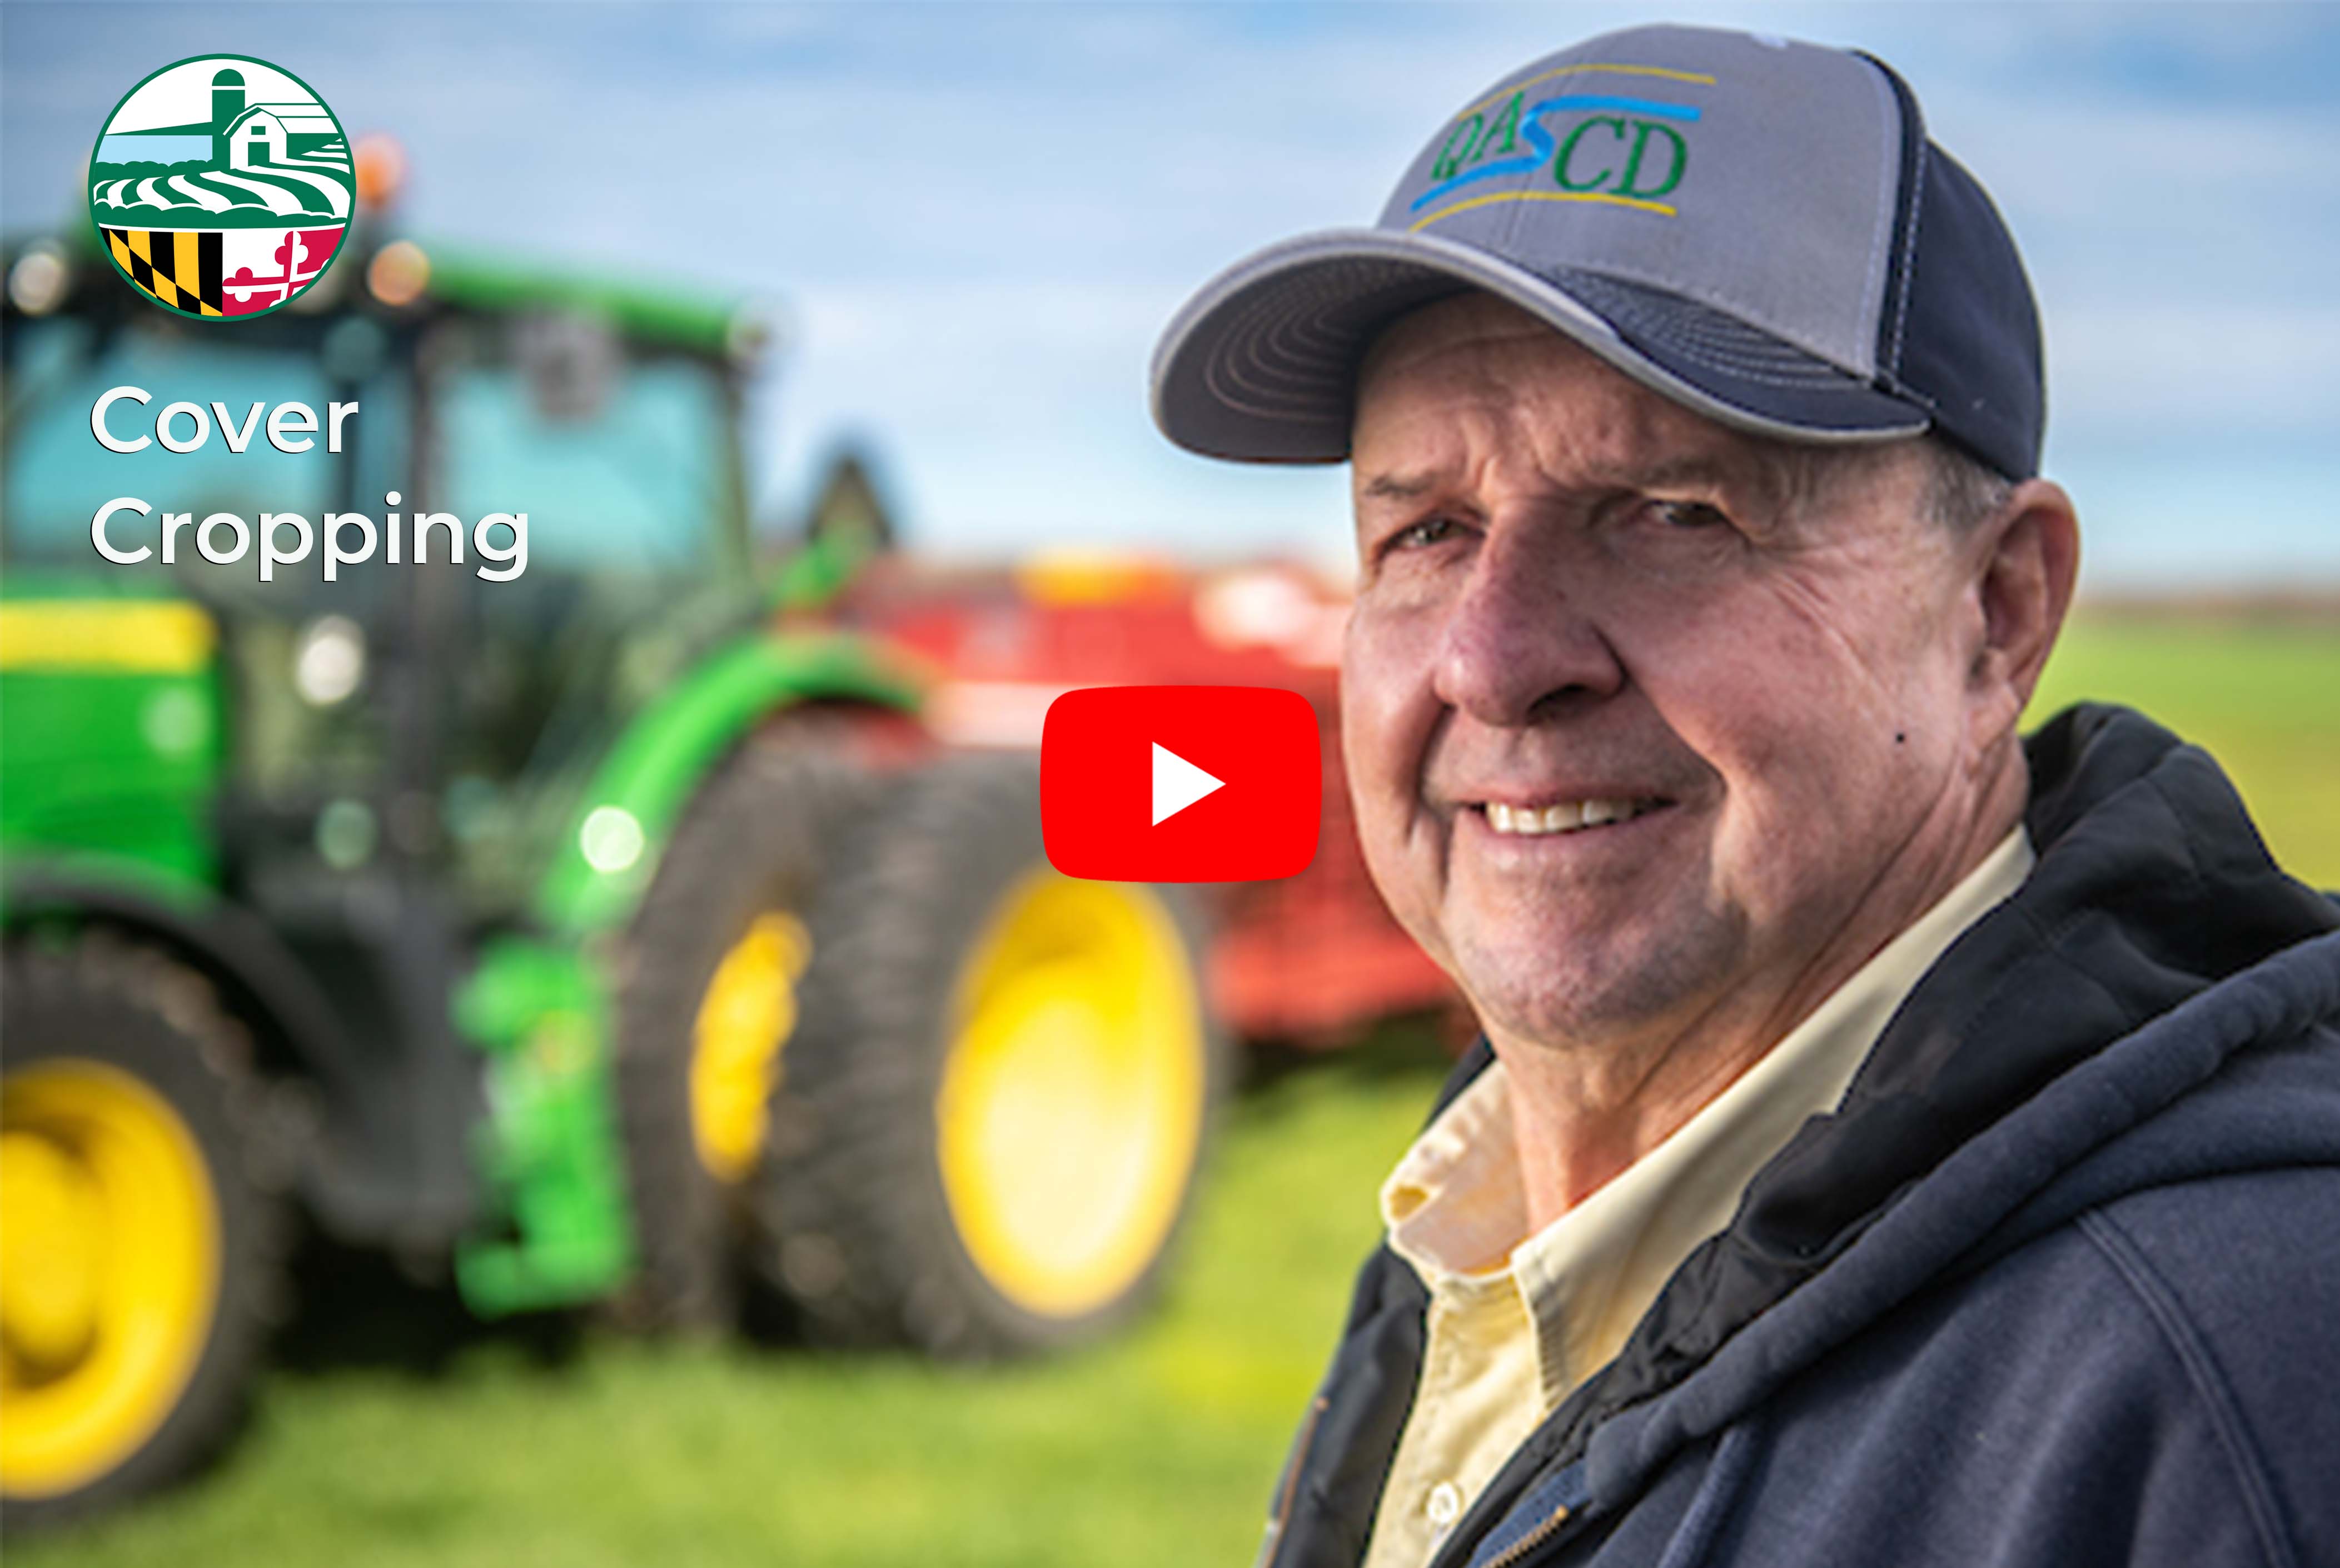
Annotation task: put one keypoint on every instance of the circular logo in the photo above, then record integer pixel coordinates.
(221, 187)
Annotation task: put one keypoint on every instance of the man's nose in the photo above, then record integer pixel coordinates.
(1519, 641)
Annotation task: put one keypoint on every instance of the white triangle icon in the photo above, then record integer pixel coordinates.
(1177, 783)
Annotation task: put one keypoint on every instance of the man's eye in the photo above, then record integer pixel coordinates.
(1689, 514)
(1413, 536)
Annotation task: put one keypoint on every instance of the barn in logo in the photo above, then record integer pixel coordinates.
(222, 186)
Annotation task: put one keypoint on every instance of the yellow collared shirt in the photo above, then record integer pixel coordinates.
(1517, 1321)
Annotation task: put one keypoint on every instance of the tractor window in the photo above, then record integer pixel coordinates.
(58, 475)
(636, 480)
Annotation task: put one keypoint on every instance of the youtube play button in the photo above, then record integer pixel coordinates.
(1177, 783)
(1180, 783)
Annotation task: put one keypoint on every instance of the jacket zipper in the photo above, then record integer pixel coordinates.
(1528, 1543)
(1274, 1539)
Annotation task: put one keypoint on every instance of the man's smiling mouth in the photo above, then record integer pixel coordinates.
(1565, 816)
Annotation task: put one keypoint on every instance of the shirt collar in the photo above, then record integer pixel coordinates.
(1456, 1211)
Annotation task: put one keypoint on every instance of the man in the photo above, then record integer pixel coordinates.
(1892, 1142)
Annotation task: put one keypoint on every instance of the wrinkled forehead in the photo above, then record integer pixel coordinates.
(1445, 382)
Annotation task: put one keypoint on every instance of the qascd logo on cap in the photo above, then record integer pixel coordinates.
(1595, 134)
(221, 187)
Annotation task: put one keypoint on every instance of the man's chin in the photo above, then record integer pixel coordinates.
(1579, 991)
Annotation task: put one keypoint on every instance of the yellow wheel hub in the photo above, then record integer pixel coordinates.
(745, 1016)
(1071, 1106)
(109, 1270)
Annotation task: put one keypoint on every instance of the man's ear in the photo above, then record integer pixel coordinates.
(2025, 557)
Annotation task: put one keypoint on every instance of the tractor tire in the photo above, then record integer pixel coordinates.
(706, 1002)
(996, 1103)
(145, 1224)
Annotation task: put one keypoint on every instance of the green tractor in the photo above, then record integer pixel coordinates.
(609, 935)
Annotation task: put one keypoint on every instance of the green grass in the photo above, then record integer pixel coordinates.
(2264, 700)
(1159, 1447)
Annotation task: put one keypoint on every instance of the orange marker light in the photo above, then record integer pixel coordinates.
(381, 169)
(398, 273)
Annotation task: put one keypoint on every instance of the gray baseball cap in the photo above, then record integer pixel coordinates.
(1755, 228)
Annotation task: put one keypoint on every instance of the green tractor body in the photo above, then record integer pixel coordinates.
(466, 915)
(111, 753)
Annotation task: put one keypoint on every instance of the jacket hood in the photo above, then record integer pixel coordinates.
(2120, 1023)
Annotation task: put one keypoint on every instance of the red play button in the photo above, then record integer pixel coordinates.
(1179, 783)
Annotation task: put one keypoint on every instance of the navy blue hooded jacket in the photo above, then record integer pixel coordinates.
(2058, 1283)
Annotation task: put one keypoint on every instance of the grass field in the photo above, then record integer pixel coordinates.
(397, 1436)
(2264, 698)
(404, 1440)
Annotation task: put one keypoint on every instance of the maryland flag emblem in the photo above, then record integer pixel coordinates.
(180, 267)
(216, 273)
(222, 186)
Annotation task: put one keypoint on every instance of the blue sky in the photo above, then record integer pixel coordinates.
(975, 217)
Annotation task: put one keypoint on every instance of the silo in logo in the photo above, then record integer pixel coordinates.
(222, 186)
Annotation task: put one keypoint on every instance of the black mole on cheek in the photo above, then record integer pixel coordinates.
(1899, 736)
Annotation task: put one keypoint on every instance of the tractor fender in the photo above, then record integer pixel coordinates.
(260, 981)
(620, 827)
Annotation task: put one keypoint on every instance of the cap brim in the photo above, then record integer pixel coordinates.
(1261, 364)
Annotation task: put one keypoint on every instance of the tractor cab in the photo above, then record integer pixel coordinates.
(423, 710)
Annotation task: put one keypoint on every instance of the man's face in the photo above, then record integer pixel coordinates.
(1581, 604)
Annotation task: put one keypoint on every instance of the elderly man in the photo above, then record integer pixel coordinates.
(1892, 1142)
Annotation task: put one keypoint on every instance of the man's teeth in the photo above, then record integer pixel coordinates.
(1564, 818)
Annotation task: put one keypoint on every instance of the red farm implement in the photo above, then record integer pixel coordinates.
(1308, 960)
